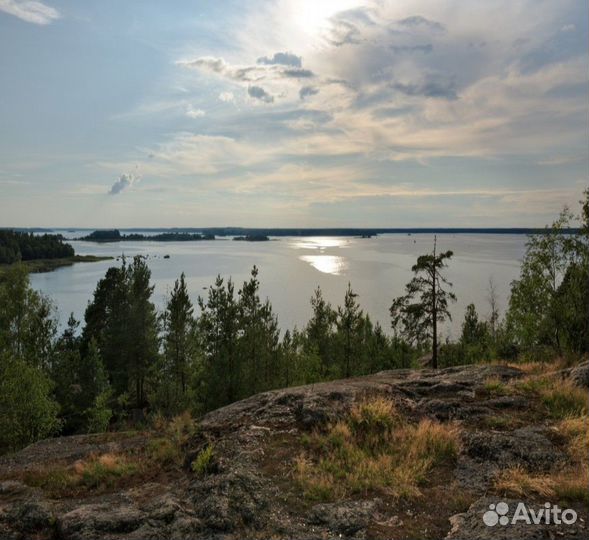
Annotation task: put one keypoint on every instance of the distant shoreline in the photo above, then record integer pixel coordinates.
(310, 231)
(38, 266)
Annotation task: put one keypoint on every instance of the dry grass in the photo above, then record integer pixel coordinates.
(517, 482)
(374, 449)
(539, 368)
(562, 398)
(95, 472)
(576, 431)
(567, 485)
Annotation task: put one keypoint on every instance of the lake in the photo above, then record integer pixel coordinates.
(292, 267)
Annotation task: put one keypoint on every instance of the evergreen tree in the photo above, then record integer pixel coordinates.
(320, 332)
(107, 320)
(177, 364)
(416, 314)
(142, 339)
(349, 328)
(218, 328)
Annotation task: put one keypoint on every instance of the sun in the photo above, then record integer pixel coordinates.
(312, 16)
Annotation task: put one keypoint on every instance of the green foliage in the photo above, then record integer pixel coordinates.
(27, 321)
(27, 411)
(548, 305)
(203, 462)
(21, 246)
(415, 316)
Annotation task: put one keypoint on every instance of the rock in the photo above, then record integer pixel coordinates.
(470, 525)
(526, 446)
(250, 493)
(347, 518)
(580, 374)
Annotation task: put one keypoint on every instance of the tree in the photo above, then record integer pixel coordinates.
(27, 411)
(258, 338)
(535, 307)
(349, 326)
(179, 339)
(107, 320)
(218, 329)
(27, 321)
(416, 314)
(319, 331)
(142, 341)
(493, 300)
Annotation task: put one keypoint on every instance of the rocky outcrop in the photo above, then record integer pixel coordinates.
(249, 493)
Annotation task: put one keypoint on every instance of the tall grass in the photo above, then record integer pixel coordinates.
(374, 449)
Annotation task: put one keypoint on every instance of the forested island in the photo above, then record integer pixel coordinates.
(114, 235)
(252, 238)
(369, 426)
(38, 253)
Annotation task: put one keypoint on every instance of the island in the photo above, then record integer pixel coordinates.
(252, 238)
(114, 235)
(38, 252)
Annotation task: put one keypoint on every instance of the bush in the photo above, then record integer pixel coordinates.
(203, 463)
(27, 411)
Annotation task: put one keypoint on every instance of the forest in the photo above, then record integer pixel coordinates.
(23, 246)
(126, 362)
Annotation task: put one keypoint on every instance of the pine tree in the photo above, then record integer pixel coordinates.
(142, 339)
(320, 331)
(179, 344)
(218, 328)
(349, 327)
(416, 314)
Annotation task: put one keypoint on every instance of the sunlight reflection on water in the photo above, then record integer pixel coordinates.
(319, 242)
(328, 264)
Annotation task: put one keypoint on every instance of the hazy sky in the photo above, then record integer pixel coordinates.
(292, 112)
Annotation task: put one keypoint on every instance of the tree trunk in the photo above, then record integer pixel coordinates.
(434, 313)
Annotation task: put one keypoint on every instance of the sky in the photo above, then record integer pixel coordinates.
(292, 113)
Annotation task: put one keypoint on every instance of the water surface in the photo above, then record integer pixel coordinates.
(292, 267)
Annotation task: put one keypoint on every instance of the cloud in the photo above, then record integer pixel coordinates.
(307, 91)
(399, 49)
(417, 21)
(30, 11)
(227, 97)
(257, 92)
(124, 182)
(283, 58)
(430, 87)
(297, 73)
(191, 112)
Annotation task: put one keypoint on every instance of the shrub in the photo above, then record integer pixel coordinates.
(203, 463)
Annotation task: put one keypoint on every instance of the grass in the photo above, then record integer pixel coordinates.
(106, 471)
(564, 399)
(493, 386)
(96, 472)
(561, 398)
(568, 485)
(576, 432)
(374, 449)
(203, 463)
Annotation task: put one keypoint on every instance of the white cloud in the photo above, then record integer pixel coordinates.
(191, 112)
(30, 11)
(227, 97)
(124, 182)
